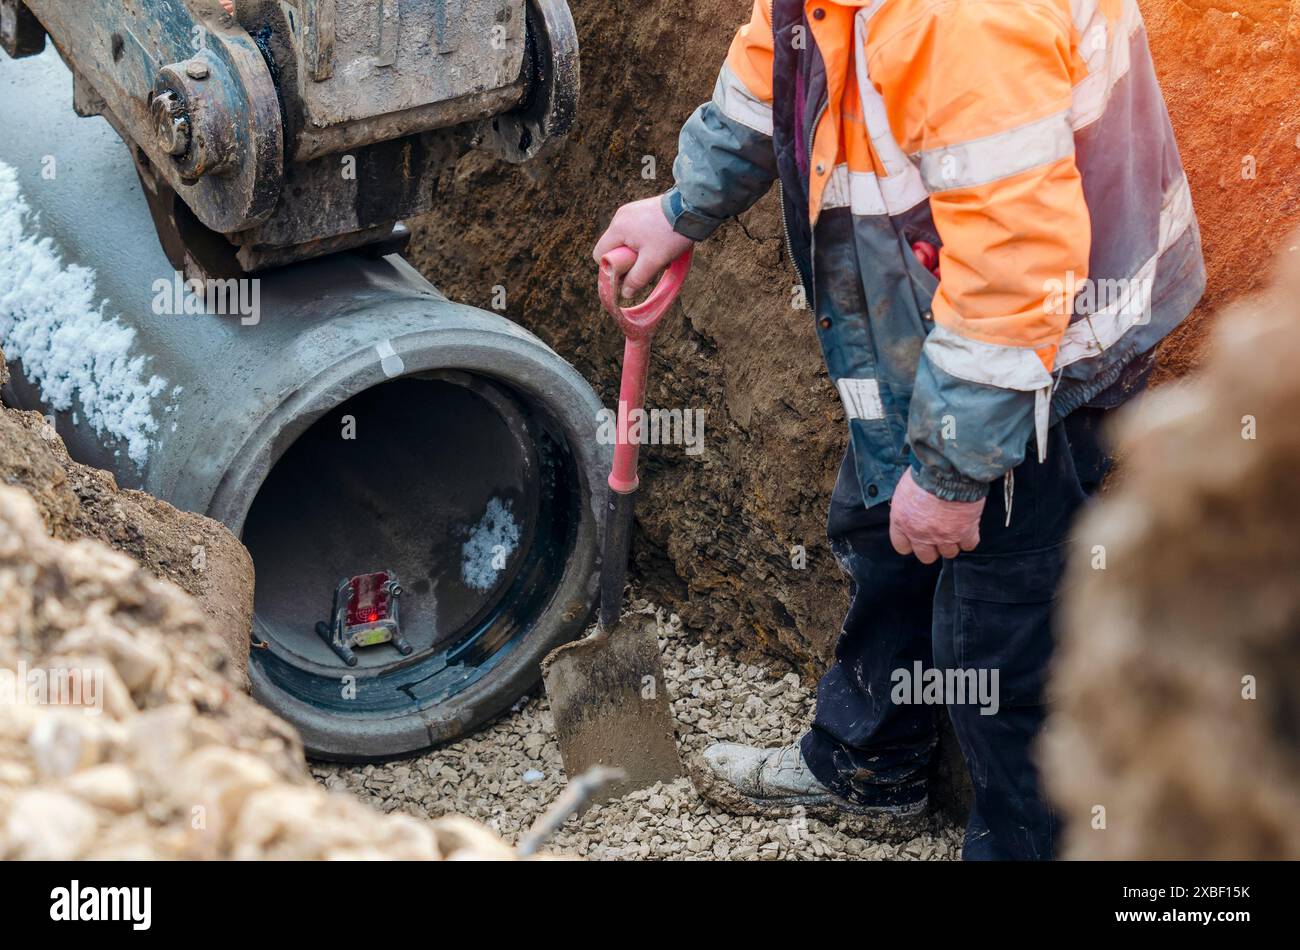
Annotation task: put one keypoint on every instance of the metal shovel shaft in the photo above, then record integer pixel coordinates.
(619, 507)
(609, 700)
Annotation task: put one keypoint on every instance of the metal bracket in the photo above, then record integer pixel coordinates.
(539, 125)
(217, 136)
(293, 129)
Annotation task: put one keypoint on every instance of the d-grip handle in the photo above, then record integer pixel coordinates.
(638, 324)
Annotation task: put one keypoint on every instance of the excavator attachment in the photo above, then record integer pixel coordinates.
(272, 131)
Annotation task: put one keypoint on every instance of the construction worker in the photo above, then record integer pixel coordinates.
(1028, 144)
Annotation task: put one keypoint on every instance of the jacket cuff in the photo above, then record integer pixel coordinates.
(685, 222)
(948, 486)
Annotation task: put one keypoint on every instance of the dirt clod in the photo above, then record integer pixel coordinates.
(77, 501)
(123, 736)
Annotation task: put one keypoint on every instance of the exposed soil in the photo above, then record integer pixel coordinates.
(716, 531)
(125, 733)
(1230, 70)
(720, 534)
(77, 501)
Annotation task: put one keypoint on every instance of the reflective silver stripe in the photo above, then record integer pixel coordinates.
(1101, 330)
(1001, 155)
(905, 191)
(1007, 367)
(1094, 37)
(739, 104)
(1083, 12)
(1015, 367)
(1042, 415)
(858, 191)
(1108, 58)
(866, 193)
(836, 194)
(902, 187)
(861, 398)
(1176, 213)
(991, 364)
(1019, 368)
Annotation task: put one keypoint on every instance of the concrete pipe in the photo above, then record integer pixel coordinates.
(341, 417)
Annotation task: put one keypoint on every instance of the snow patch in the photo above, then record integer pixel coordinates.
(490, 544)
(49, 319)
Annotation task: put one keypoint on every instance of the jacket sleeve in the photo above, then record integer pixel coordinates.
(725, 160)
(981, 95)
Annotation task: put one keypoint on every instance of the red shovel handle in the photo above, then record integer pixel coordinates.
(641, 321)
(638, 324)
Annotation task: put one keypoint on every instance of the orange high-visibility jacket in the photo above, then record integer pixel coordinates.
(1027, 140)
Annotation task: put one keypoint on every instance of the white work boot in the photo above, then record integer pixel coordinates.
(778, 782)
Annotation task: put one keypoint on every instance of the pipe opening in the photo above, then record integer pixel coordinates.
(453, 481)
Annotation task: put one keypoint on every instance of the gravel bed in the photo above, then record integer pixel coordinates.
(508, 774)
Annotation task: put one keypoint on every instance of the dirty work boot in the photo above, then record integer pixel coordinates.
(777, 782)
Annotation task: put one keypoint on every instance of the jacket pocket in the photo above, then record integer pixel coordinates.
(924, 283)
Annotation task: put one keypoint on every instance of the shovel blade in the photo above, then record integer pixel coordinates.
(610, 706)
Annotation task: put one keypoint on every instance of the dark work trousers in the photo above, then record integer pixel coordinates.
(989, 609)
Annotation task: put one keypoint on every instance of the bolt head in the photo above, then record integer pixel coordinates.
(171, 123)
(196, 69)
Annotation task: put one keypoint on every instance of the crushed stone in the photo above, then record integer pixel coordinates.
(509, 773)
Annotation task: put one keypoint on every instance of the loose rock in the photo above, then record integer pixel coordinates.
(768, 704)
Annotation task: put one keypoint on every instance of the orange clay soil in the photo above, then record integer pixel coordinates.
(1231, 75)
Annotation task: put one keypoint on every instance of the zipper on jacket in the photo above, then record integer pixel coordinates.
(785, 228)
(812, 230)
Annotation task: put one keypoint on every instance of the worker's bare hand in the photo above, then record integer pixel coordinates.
(641, 225)
(930, 527)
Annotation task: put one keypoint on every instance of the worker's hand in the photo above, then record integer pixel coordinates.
(929, 527)
(641, 225)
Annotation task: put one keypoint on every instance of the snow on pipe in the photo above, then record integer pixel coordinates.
(341, 415)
